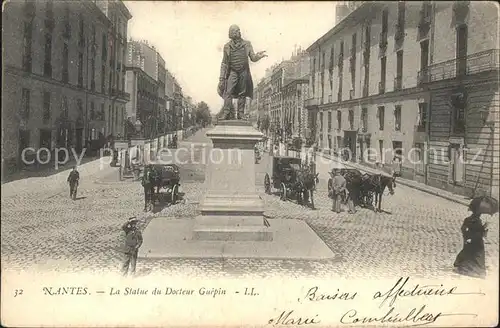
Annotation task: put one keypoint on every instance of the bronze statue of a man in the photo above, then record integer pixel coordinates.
(235, 80)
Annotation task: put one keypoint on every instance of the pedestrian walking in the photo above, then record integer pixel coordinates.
(148, 185)
(471, 259)
(73, 179)
(133, 240)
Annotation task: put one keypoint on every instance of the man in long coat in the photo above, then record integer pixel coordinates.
(235, 80)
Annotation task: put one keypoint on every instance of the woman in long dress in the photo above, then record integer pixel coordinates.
(471, 259)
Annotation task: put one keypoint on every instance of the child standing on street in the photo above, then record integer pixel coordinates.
(133, 240)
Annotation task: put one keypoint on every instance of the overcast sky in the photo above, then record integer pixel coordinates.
(190, 35)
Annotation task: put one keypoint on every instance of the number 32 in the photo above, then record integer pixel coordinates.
(18, 292)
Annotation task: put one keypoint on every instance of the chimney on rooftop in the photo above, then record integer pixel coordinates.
(342, 10)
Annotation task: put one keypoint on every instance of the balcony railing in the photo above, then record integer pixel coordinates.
(311, 102)
(420, 127)
(381, 87)
(120, 94)
(484, 61)
(351, 94)
(398, 83)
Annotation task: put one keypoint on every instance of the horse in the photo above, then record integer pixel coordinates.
(377, 183)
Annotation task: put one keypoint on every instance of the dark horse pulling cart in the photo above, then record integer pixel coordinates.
(367, 189)
(291, 180)
(166, 177)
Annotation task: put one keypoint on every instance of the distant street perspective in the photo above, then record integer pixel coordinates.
(43, 229)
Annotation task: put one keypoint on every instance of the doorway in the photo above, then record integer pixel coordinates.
(350, 138)
(24, 142)
(79, 140)
(45, 138)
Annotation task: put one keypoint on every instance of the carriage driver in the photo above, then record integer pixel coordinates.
(339, 186)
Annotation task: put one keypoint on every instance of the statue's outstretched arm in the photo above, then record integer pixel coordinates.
(255, 56)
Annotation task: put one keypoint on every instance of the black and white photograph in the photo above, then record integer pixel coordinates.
(241, 163)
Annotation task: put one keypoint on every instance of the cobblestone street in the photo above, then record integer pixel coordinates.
(418, 234)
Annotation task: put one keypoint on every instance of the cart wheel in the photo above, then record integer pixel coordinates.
(175, 190)
(283, 194)
(267, 184)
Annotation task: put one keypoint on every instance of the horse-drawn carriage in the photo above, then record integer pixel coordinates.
(167, 177)
(366, 189)
(292, 180)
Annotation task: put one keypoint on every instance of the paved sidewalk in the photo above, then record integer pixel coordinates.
(55, 183)
(410, 183)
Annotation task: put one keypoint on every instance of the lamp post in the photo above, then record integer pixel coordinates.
(139, 135)
(488, 119)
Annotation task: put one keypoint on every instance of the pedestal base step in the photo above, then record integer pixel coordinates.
(232, 233)
(230, 220)
(292, 239)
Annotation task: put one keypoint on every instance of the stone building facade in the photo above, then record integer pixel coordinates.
(462, 81)
(387, 78)
(63, 80)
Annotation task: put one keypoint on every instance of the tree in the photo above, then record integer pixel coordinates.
(202, 114)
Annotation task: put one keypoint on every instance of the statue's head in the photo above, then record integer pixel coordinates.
(234, 32)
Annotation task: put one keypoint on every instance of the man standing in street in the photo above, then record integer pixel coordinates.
(73, 179)
(147, 182)
(338, 187)
(133, 240)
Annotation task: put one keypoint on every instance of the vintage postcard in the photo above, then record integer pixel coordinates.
(261, 164)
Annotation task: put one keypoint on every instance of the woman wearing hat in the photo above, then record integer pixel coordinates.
(471, 259)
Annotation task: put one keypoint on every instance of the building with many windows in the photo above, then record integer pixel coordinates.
(412, 79)
(295, 90)
(178, 109)
(459, 71)
(63, 81)
(169, 101)
(146, 78)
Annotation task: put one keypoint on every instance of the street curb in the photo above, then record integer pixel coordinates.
(435, 193)
(409, 184)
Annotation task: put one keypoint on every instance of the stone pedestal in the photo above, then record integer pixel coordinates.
(231, 209)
